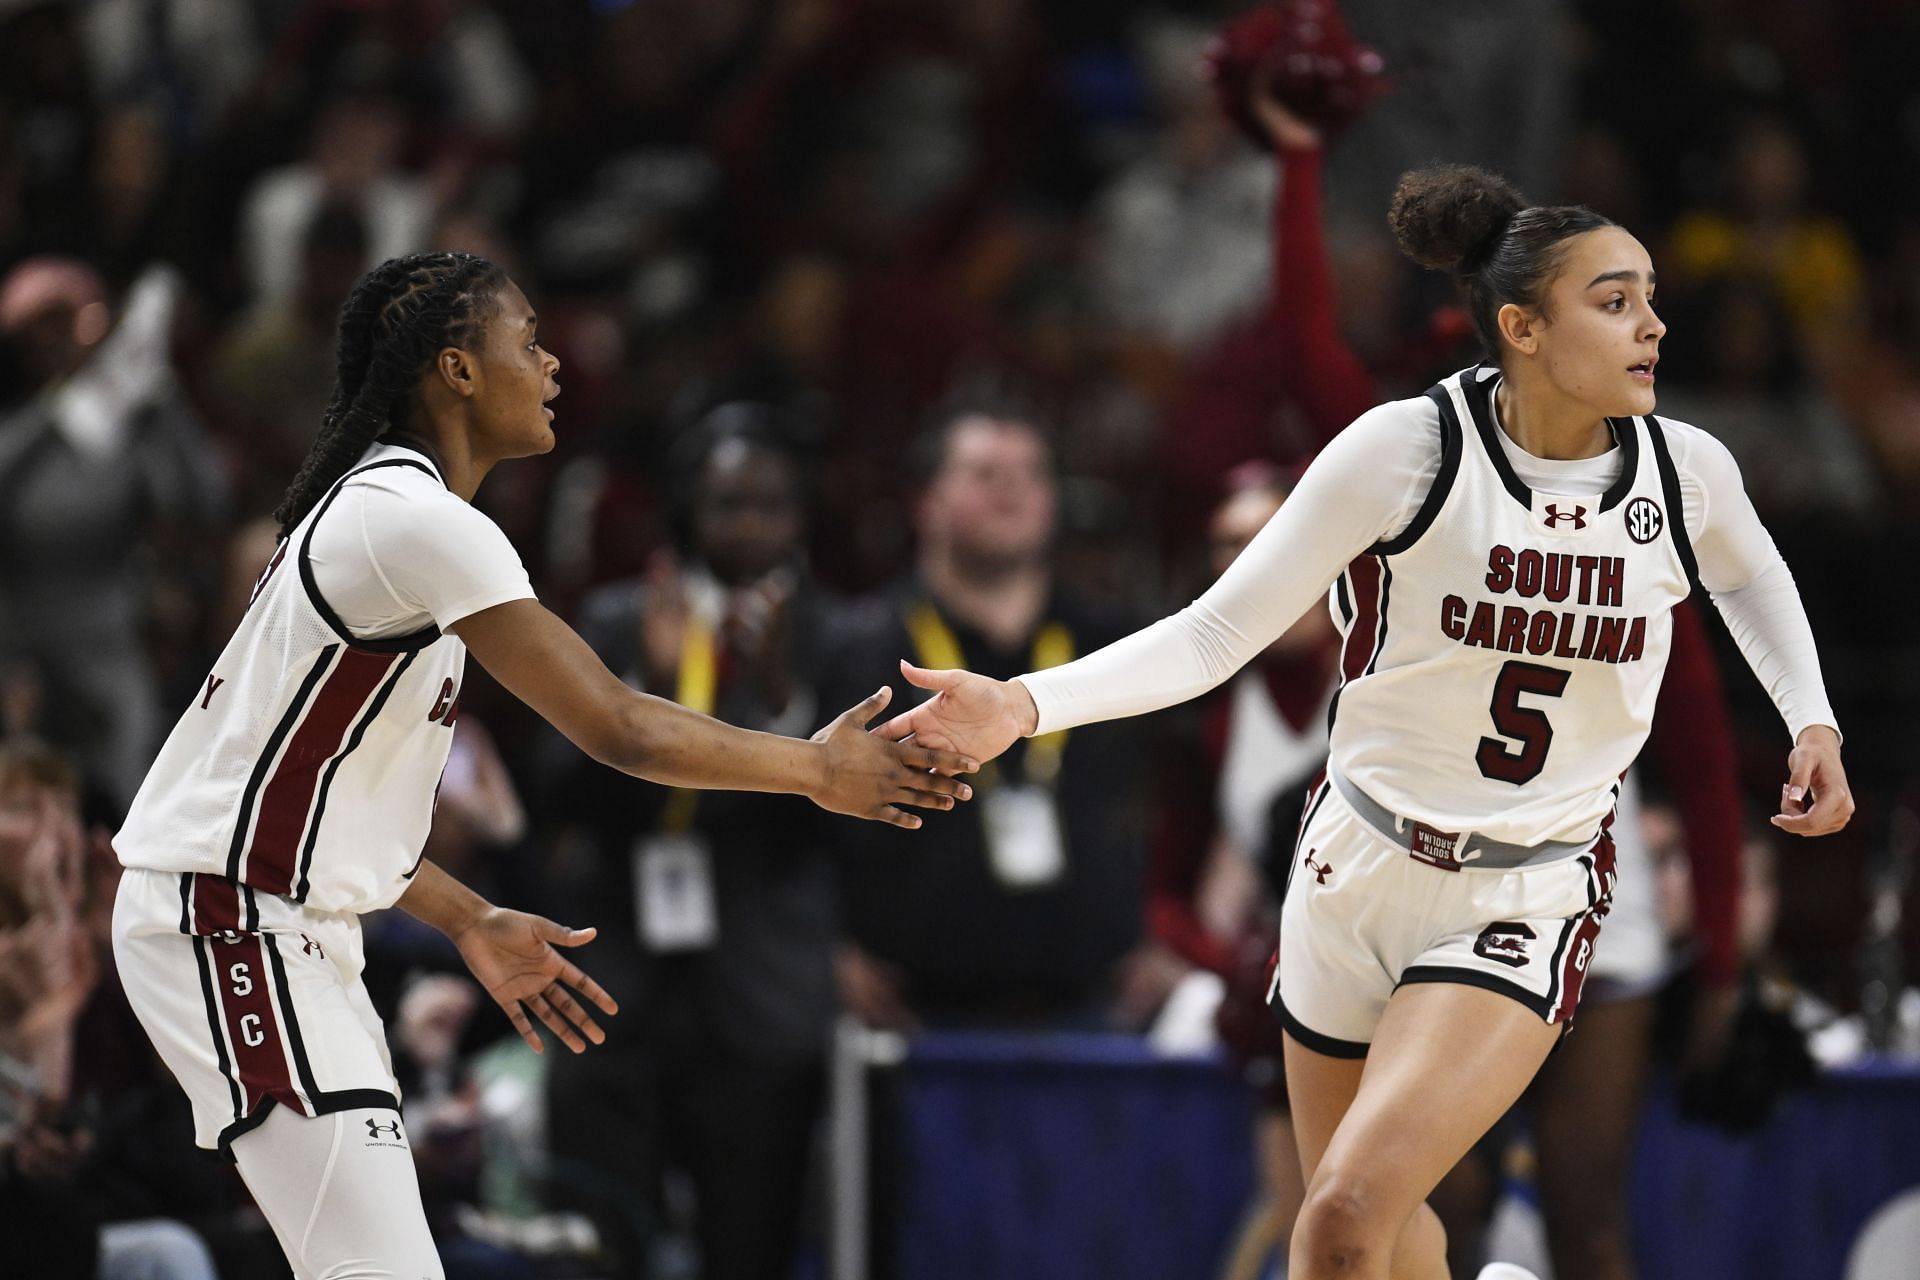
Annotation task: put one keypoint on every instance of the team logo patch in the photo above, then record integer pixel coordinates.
(1504, 941)
(1644, 520)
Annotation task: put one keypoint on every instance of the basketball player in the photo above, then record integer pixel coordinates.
(1504, 553)
(296, 791)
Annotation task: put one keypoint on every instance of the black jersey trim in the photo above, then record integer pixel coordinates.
(295, 709)
(344, 1100)
(1380, 624)
(1479, 393)
(303, 882)
(186, 903)
(1327, 1046)
(1676, 513)
(290, 1020)
(1450, 446)
(413, 640)
(214, 1021)
(1461, 976)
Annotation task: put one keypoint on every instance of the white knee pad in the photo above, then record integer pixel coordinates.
(341, 1194)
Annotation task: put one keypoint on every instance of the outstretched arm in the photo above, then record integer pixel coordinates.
(1363, 487)
(541, 661)
(1756, 595)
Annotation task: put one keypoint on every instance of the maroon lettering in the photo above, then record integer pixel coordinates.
(213, 686)
(1480, 630)
(1526, 573)
(1586, 566)
(1540, 633)
(1559, 577)
(1563, 647)
(1613, 573)
(443, 705)
(1452, 609)
(1500, 570)
(1513, 629)
(1607, 647)
(1636, 645)
(1586, 637)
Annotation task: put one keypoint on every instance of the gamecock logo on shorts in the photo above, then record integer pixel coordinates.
(1505, 941)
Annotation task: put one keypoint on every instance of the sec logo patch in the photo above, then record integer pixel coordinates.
(1644, 520)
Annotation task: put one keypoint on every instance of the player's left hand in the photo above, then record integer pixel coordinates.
(512, 954)
(1816, 800)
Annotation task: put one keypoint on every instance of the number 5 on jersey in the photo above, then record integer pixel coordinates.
(1528, 726)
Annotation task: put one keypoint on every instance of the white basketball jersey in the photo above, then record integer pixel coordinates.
(1503, 653)
(308, 764)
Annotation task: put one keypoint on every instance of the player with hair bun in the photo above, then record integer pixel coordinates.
(1503, 555)
(296, 791)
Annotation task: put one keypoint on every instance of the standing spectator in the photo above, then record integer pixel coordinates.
(355, 159)
(726, 959)
(104, 456)
(1026, 907)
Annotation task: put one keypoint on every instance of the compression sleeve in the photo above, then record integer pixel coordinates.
(1750, 583)
(1363, 487)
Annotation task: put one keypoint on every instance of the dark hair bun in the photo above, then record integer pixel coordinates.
(1450, 217)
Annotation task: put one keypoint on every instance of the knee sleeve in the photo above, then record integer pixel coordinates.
(341, 1194)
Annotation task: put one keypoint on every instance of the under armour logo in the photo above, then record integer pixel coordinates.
(309, 947)
(1555, 515)
(1320, 871)
(375, 1129)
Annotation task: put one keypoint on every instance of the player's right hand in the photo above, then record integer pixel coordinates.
(868, 776)
(968, 713)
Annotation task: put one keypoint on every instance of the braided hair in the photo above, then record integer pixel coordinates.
(397, 319)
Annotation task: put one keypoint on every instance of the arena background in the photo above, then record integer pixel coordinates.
(848, 212)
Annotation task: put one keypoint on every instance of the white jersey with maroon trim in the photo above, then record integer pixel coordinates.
(1503, 652)
(308, 764)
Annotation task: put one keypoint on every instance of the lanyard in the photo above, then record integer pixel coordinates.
(697, 689)
(935, 646)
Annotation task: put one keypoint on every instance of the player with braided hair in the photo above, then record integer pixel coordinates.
(296, 791)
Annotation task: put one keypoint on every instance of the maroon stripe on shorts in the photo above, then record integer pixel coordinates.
(245, 986)
(1579, 955)
(287, 799)
(216, 904)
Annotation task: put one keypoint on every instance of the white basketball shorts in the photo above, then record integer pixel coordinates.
(1363, 918)
(250, 999)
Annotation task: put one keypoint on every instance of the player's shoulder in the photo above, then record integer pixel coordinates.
(1695, 450)
(1394, 428)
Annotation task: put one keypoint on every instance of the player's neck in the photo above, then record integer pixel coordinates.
(1001, 600)
(1546, 423)
(452, 452)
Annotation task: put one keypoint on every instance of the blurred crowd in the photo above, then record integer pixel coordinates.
(888, 328)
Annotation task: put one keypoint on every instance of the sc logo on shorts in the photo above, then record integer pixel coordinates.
(1504, 941)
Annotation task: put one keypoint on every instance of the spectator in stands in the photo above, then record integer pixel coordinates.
(106, 482)
(1024, 910)
(716, 912)
(273, 371)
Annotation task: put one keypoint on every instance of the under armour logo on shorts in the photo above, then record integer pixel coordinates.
(375, 1129)
(1320, 871)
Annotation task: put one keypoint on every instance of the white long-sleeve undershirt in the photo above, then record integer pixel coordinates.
(1366, 485)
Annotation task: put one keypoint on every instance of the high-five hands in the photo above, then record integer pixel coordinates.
(971, 714)
(871, 774)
